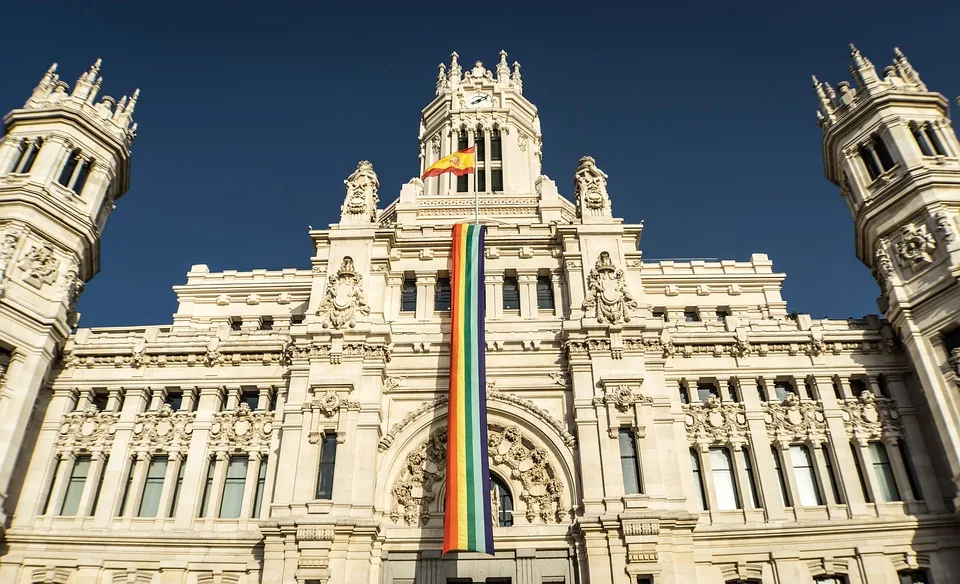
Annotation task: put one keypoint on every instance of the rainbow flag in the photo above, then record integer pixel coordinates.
(467, 522)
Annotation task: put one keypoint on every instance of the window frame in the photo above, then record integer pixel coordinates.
(630, 461)
(327, 467)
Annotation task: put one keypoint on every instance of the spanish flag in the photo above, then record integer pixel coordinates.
(459, 163)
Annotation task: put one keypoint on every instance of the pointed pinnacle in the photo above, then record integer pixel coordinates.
(96, 66)
(52, 69)
(898, 52)
(816, 82)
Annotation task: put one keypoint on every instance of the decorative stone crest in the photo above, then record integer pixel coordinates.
(871, 418)
(343, 298)
(163, 427)
(621, 397)
(39, 266)
(794, 420)
(915, 245)
(8, 245)
(590, 189)
(514, 454)
(607, 292)
(715, 422)
(362, 199)
(242, 428)
(87, 430)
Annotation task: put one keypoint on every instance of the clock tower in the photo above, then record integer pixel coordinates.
(485, 109)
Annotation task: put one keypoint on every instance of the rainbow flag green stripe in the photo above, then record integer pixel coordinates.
(467, 524)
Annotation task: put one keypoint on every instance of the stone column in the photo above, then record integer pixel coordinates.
(174, 460)
(9, 152)
(198, 458)
(158, 396)
(88, 497)
(141, 462)
(528, 572)
(190, 396)
(706, 473)
(57, 491)
(392, 300)
(786, 465)
(743, 481)
(263, 397)
(876, 565)
(768, 482)
(495, 289)
(527, 282)
(426, 285)
(216, 493)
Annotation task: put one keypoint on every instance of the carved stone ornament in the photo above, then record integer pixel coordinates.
(163, 427)
(513, 453)
(72, 286)
(869, 417)
(362, 198)
(590, 188)
(39, 266)
(343, 298)
(329, 403)
(622, 397)
(915, 245)
(794, 420)
(8, 246)
(88, 430)
(955, 361)
(715, 422)
(242, 427)
(607, 293)
(945, 226)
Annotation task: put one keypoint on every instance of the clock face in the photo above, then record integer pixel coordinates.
(479, 100)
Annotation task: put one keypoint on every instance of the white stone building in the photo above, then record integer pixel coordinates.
(650, 422)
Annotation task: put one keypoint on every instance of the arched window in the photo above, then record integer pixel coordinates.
(502, 502)
(876, 157)
(462, 181)
(28, 150)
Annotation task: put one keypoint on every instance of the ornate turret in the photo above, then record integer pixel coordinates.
(64, 160)
(888, 145)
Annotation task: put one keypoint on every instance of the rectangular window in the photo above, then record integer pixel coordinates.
(78, 478)
(761, 390)
(884, 472)
(207, 488)
(463, 183)
(724, 483)
(806, 476)
(921, 140)
(481, 175)
(296, 319)
(99, 400)
(733, 391)
(328, 462)
(929, 130)
(150, 500)
(82, 175)
(698, 480)
(911, 470)
(266, 323)
(496, 146)
(784, 493)
(684, 393)
(177, 486)
(480, 143)
(722, 314)
(261, 482)
(782, 388)
(251, 397)
(857, 386)
(832, 474)
(691, 315)
(127, 487)
(544, 293)
(511, 293)
(233, 487)
(71, 165)
(751, 485)
(441, 295)
(660, 313)
(174, 399)
(914, 577)
(629, 463)
(705, 390)
(496, 180)
(408, 295)
(236, 323)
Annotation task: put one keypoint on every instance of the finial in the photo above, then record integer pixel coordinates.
(863, 69)
(503, 57)
(898, 53)
(503, 69)
(454, 61)
(52, 70)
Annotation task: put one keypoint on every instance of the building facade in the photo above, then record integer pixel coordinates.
(649, 422)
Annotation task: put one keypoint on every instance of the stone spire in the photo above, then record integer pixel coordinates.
(826, 104)
(515, 79)
(863, 71)
(455, 73)
(906, 71)
(88, 84)
(503, 70)
(441, 78)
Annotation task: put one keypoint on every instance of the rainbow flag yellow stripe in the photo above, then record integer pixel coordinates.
(467, 524)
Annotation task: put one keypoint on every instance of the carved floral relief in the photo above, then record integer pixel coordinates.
(869, 417)
(916, 245)
(87, 430)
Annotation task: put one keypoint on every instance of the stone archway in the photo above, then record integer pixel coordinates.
(512, 454)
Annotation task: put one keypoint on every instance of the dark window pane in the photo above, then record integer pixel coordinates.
(873, 171)
(880, 147)
(251, 397)
(31, 157)
(496, 148)
(462, 140)
(544, 293)
(481, 146)
(69, 166)
(691, 316)
(100, 400)
(261, 482)
(496, 180)
(863, 482)
(921, 142)
(207, 488)
(441, 295)
(408, 296)
(732, 390)
(629, 463)
(705, 390)
(481, 175)
(511, 293)
(931, 134)
(174, 400)
(82, 177)
(266, 323)
(328, 461)
(463, 183)
(236, 323)
(782, 388)
(504, 499)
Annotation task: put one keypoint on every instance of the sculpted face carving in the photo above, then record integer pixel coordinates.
(607, 293)
(362, 198)
(40, 266)
(590, 187)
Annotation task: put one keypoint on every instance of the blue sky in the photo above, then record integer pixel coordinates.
(252, 114)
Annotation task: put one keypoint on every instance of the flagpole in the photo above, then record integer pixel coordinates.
(476, 191)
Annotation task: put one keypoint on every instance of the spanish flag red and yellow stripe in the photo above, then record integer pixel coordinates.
(459, 163)
(467, 524)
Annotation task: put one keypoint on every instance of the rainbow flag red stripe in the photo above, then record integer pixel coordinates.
(467, 524)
